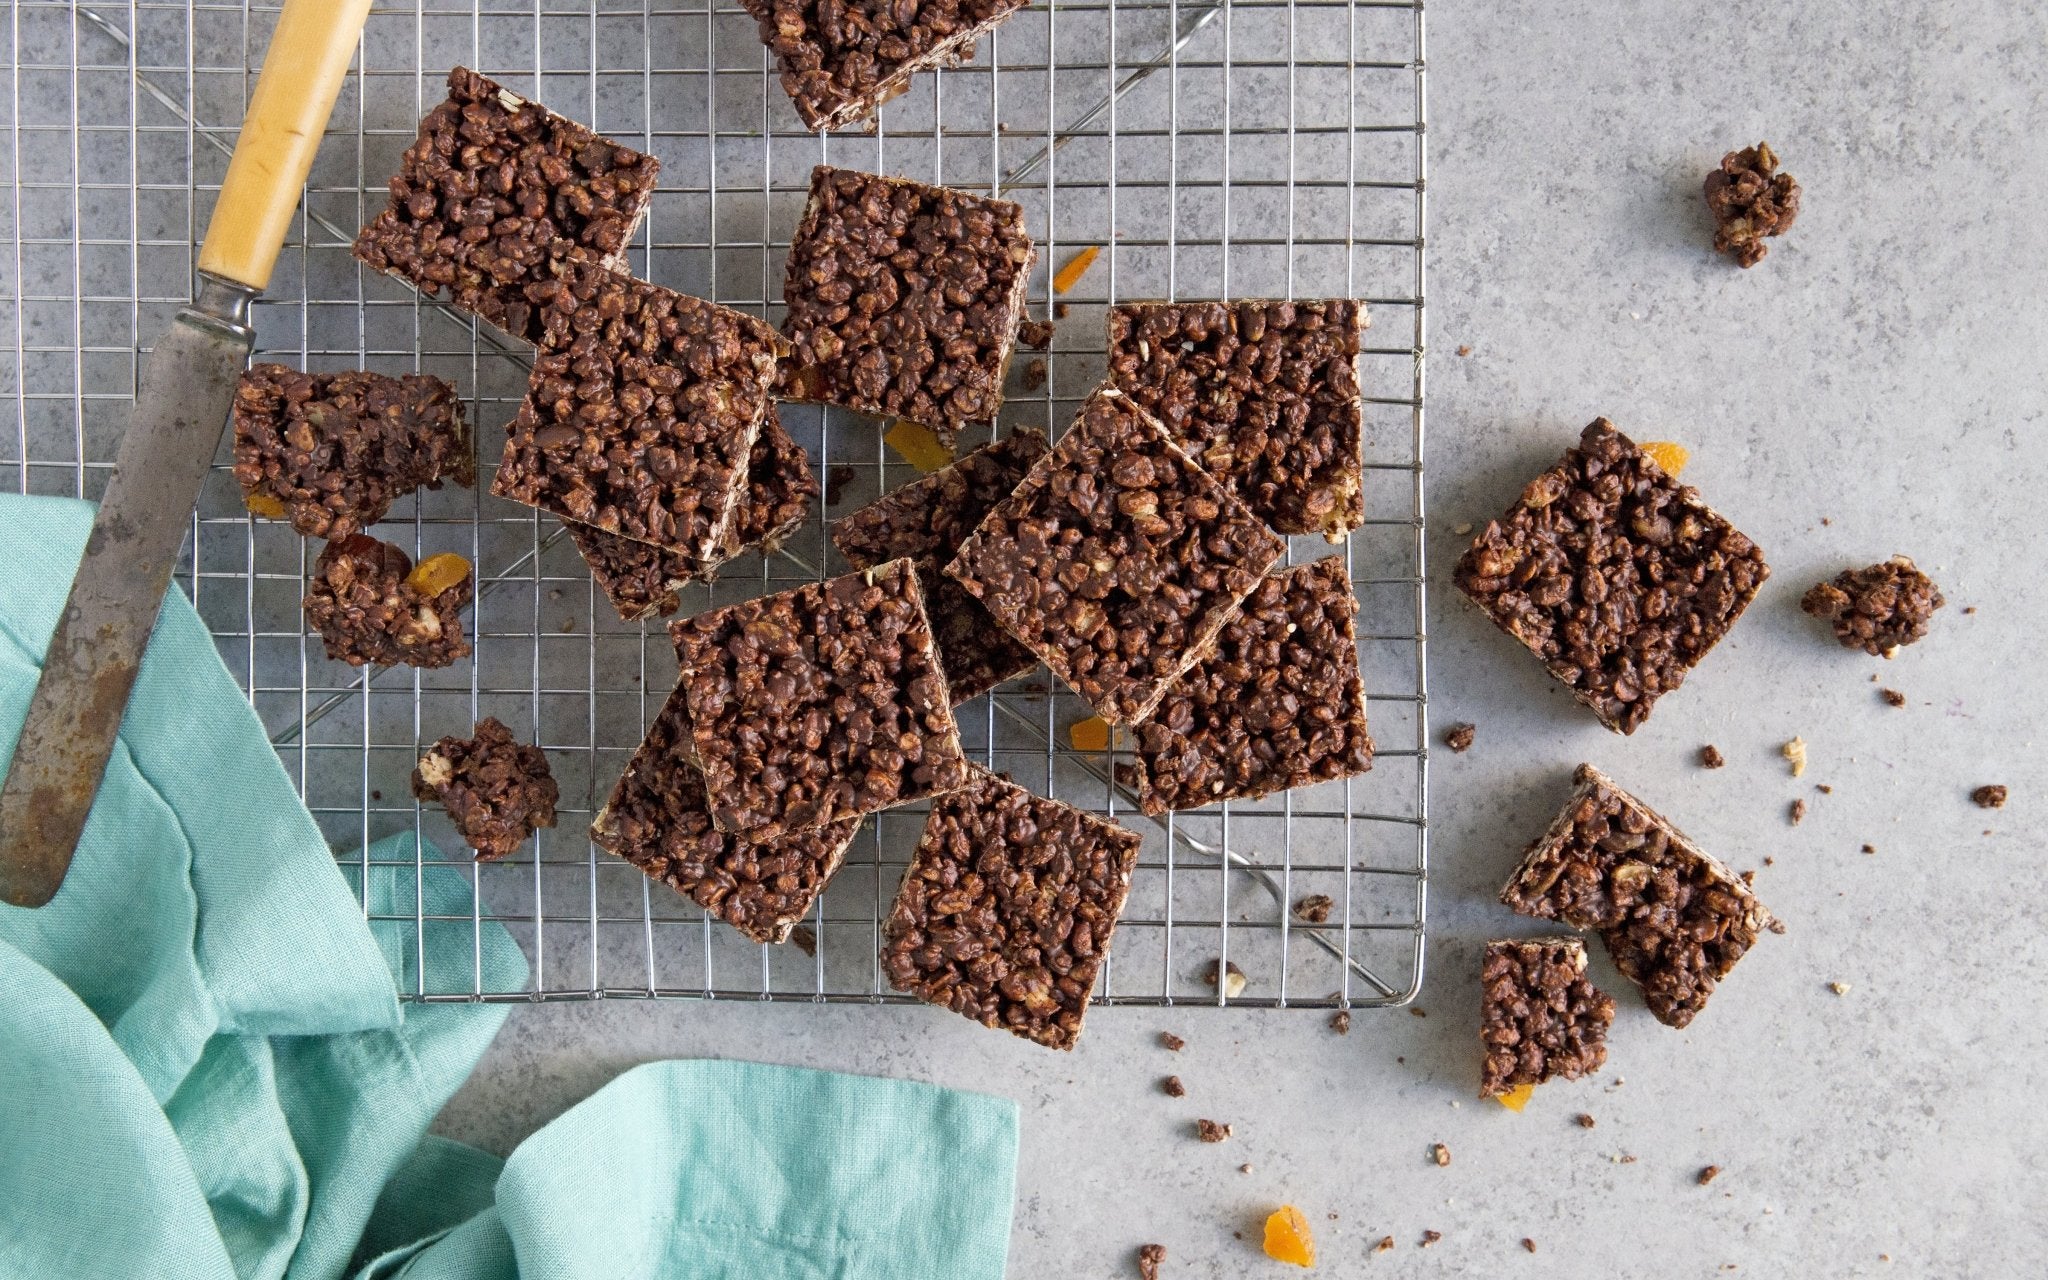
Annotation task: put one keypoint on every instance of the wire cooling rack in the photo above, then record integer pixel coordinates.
(1211, 149)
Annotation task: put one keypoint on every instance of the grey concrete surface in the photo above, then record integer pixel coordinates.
(1875, 386)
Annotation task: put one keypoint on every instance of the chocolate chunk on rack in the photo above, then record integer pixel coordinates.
(641, 414)
(1263, 393)
(840, 62)
(1619, 578)
(645, 581)
(658, 820)
(819, 704)
(1674, 918)
(371, 605)
(1279, 704)
(1540, 1018)
(1117, 560)
(1750, 199)
(903, 299)
(928, 521)
(1877, 608)
(496, 789)
(331, 452)
(1008, 908)
(495, 194)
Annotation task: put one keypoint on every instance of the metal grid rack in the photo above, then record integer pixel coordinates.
(1213, 148)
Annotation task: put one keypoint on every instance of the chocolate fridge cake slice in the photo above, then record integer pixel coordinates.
(372, 606)
(1279, 704)
(819, 704)
(645, 581)
(928, 520)
(903, 299)
(496, 789)
(1674, 919)
(1539, 1016)
(1264, 393)
(331, 452)
(1007, 910)
(642, 411)
(1618, 577)
(1117, 560)
(658, 819)
(840, 62)
(495, 190)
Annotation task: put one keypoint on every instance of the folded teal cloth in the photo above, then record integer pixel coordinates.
(205, 1070)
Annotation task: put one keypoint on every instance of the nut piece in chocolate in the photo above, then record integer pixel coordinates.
(1118, 559)
(1618, 577)
(1263, 393)
(658, 820)
(333, 451)
(493, 191)
(1279, 704)
(371, 605)
(819, 704)
(1750, 199)
(641, 414)
(1539, 1016)
(645, 581)
(497, 790)
(1008, 908)
(903, 299)
(1674, 918)
(928, 521)
(840, 62)
(1876, 608)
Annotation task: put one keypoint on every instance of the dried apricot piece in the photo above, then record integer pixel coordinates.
(264, 505)
(1516, 1098)
(918, 446)
(435, 574)
(1077, 266)
(1091, 734)
(1669, 455)
(1287, 1237)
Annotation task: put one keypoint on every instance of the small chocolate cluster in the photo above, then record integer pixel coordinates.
(1750, 200)
(369, 607)
(1876, 608)
(1540, 1017)
(497, 790)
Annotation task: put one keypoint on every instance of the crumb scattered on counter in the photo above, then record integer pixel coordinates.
(1893, 697)
(1708, 1174)
(1528, 1244)
(1149, 1258)
(1340, 1022)
(1839, 988)
(1798, 812)
(1711, 757)
(1439, 1153)
(1989, 797)
(1584, 1121)
(1459, 739)
(1430, 1237)
(1315, 908)
(1210, 1131)
(1173, 1088)
(1168, 1040)
(1795, 754)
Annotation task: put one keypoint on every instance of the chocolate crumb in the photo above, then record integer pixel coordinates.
(1465, 350)
(1340, 1022)
(1528, 1244)
(1708, 1174)
(1459, 739)
(836, 480)
(1969, 609)
(1168, 1040)
(1798, 812)
(805, 940)
(1149, 1258)
(1893, 697)
(1750, 199)
(1210, 1131)
(1417, 1011)
(1989, 797)
(1034, 374)
(1870, 848)
(1769, 861)
(1173, 1087)
(1876, 608)
(1386, 1243)
(1317, 906)
(1035, 334)
(1824, 788)
(1584, 1121)
(1244, 1168)
(1711, 757)
(1431, 1237)
(1439, 1153)
(376, 795)
(1060, 310)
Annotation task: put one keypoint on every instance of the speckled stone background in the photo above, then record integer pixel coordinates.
(1877, 385)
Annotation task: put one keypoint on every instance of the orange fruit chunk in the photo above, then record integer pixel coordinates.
(1669, 456)
(1287, 1237)
(918, 446)
(1077, 266)
(435, 574)
(264, 505)
(1091, 734)
(1516, 1098)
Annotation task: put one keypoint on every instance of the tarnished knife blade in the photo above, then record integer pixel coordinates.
(187, 390)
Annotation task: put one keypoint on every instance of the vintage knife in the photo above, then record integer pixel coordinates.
(181, 403)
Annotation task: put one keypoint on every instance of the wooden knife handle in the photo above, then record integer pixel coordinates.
(302, 72)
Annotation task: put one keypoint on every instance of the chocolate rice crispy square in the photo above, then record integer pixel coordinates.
(1117, 560)
(840, 62)
(1618, 577)
(1674, 919)
(1263, 393)
(495, 193)
(1008, 909)
(646, 581)
(1540, 1018)
(818, 704)
(904, 299)
(659, 820)
(1279, 703)
(928, 520)
(642, 411)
